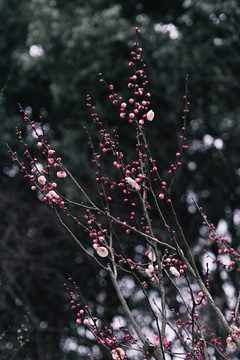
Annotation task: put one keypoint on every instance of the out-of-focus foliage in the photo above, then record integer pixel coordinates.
(51, 52)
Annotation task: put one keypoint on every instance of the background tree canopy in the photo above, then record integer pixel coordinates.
(51, 52)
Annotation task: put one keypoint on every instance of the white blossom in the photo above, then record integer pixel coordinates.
(150, 270)
(150, 115)
(174, 271)
(102, 251)
(132, 183)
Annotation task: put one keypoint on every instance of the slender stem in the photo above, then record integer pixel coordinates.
(162, 295)
(237, 305)
(157, 354)
(195, 272)
(77, 241)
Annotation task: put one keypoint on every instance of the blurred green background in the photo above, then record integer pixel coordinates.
(50, 54)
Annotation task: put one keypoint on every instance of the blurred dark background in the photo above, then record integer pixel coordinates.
(50, 54)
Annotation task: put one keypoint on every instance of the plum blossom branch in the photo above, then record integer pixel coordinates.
(77, 240)
(133, 209)
(157, 354)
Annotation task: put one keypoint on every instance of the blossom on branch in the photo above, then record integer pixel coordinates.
(102, 251)
(151, 256)
(150, 115)
(53, 195)
(42, 180)
(150, 270)
(61, 174)
(132, 183)
(118, 354)
(174, 271)
(230, 343)
(230, 339)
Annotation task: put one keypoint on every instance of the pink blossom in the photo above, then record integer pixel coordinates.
(51, 161)
(174, 271)
(118, 354)
(51, 152)
(102, 251)
(150, 115)
(230, 343)
(54, 196)
(151, 256)
(42, 180)
(150, 270)
(61, 174)
(236, 330)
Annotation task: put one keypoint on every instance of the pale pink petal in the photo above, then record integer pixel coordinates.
(150, 115)
(42, 180)
(174, 271)
(102, 251)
